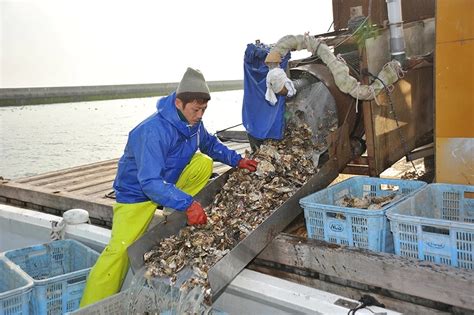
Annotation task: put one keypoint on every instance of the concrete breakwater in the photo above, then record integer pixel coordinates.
(49, 95)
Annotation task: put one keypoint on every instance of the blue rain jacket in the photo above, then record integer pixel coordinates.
(261, 119)
(157, 151)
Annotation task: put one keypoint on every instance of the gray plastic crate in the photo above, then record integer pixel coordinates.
(119, 303)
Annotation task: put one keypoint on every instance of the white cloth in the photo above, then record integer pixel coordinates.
(276, 80)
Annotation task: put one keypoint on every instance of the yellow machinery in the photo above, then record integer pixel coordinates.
(454, 92)
(432, 105)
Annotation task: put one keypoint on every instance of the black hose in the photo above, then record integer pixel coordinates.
(227, 128)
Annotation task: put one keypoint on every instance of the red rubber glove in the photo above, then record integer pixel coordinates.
(248, 164)
(196, 214)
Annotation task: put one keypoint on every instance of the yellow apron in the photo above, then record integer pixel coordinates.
(129, 222)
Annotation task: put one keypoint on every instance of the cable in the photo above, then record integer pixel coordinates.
(228, 128)
(332, 23)
(352, 34)
(392, 111)
(366, 300)
(360, 25)
(369, 13)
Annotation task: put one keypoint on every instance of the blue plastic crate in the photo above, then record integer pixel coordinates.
(15, 289)
(59, 270)
(436, 224)
(368, 229)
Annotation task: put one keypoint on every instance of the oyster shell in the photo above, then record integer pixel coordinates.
(244, 202)
(366, 202)
(264, 168)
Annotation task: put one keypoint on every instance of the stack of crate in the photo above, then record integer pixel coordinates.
(369, 229)
(432, 222)
(57, 271)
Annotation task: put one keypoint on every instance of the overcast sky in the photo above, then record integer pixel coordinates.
(73, 42)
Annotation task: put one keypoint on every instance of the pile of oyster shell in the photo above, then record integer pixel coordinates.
(367, 202)
(244, 202)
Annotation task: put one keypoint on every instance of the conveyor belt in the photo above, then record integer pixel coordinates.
(222, 273)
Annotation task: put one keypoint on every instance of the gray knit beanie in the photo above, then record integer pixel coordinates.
(193, 82)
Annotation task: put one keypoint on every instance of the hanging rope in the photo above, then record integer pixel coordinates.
(357, 98)
(70, 217)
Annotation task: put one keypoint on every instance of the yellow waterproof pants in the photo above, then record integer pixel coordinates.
(129, 222)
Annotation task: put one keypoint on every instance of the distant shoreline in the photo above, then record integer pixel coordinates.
(50, 95)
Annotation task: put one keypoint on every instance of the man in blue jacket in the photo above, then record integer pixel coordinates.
(160, 166)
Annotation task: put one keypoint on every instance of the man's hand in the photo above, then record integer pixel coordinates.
(248, 164)
(196, 214)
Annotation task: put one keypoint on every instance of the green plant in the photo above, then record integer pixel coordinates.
(365, 31)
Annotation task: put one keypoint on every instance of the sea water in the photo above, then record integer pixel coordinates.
(36, 139)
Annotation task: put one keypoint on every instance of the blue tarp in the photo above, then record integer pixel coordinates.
(261, 119)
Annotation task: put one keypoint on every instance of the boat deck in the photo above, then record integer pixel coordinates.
(87, 187)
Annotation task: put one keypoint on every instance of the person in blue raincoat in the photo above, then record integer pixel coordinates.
(160, 166)
(263, 110)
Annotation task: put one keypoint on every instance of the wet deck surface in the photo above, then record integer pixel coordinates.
(88, 187)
